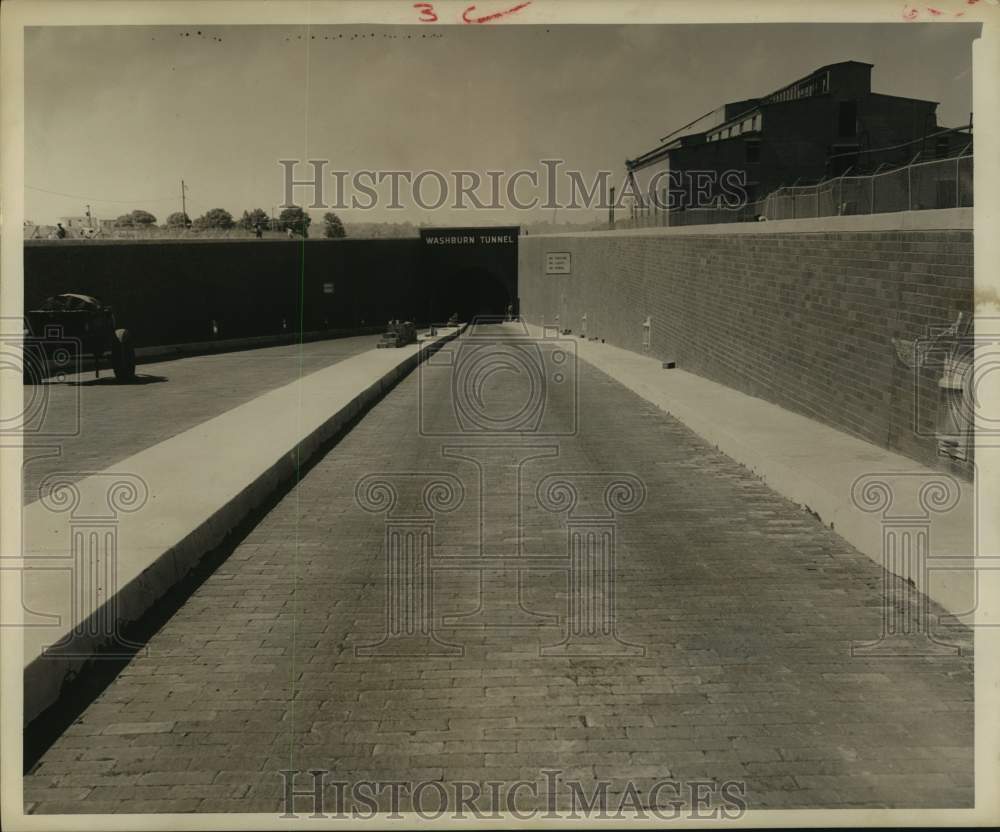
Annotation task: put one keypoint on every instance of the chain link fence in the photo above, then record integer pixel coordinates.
(942, 183)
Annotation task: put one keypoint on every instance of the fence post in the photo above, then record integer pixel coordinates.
(909, 183)
(958, 198)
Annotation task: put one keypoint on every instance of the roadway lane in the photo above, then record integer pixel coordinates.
(735, 612)
(90, 424)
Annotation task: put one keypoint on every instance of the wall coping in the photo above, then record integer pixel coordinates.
(170, 241)
(938, 219)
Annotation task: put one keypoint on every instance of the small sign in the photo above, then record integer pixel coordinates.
(327, 288)
(557, 262)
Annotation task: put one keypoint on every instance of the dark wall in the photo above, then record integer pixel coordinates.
(170, 292)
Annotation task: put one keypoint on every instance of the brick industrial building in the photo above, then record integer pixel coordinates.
(822, 125)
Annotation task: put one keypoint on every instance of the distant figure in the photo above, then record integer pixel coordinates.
(258, 231)
(291, 233)
(510, 312)
(60, 231)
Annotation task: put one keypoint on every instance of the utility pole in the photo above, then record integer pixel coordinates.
(184, 212)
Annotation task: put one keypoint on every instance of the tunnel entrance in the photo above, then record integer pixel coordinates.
(470, 293)
(469, 271)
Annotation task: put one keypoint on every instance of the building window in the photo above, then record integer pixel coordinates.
(847, 118)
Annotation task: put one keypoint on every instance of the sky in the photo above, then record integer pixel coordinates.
(117, 116)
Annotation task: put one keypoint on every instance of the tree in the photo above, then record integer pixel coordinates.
(332, 226)
(215, 218)
(251, 219)
(138, 217)
(178, 219)
(296, 219)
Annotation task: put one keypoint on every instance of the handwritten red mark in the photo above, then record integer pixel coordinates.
(934, 12)
(490, 17)
(427, 14)
(911, 14)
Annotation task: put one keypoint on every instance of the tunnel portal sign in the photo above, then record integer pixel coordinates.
(471, 237)
(557, 262)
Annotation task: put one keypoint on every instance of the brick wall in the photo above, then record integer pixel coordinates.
(804, 320)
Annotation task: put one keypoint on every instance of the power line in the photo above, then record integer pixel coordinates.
(98, 199)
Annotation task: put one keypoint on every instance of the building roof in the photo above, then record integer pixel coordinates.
(729, 114)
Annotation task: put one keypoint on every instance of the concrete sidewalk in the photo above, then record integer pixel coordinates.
(815, 466)
(106, 547)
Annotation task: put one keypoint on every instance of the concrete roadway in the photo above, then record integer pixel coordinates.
(735, 612)
(89, 424)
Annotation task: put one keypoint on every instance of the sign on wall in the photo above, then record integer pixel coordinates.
(327, 288)
(557, 262)
(469, 237)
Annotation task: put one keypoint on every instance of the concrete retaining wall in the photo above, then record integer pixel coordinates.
(169, 292)
(801, 314)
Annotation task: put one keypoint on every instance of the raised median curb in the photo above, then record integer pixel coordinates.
(118, 540)
(164, 352)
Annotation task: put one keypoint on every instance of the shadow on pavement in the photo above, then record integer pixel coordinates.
(141, 378)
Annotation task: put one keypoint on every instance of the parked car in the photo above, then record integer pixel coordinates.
(398, 334)
(69, 326)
